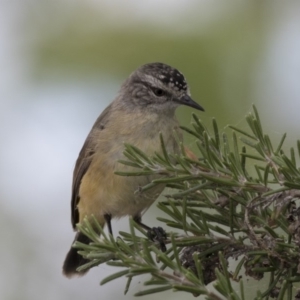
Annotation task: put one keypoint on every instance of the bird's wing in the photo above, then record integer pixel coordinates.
(84, 160)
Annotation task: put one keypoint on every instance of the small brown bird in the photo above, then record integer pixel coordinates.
(144, 107)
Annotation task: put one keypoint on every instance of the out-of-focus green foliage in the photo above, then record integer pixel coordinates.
(218, 60)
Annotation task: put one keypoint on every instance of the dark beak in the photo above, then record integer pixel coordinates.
(188, 101)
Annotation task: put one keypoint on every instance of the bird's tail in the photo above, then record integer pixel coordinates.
(74, 260)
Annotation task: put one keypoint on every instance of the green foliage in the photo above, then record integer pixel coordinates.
(234, 202)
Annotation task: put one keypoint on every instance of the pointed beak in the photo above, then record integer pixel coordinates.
(188, 101)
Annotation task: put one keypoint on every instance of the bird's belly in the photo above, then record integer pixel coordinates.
(104, 192)
(118, 196)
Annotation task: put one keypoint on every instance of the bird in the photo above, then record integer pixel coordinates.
(143, 109)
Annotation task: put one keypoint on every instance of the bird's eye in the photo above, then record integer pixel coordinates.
(158, 92)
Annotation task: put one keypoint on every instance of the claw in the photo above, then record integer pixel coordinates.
(157, 234)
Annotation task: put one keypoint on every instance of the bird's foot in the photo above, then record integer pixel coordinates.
(157, 234)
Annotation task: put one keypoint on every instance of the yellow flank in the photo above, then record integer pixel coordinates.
(103, 192)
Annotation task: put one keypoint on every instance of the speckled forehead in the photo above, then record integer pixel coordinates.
(168, 75)
(173, 78)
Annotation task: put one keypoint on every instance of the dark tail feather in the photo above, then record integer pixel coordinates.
(74, 260)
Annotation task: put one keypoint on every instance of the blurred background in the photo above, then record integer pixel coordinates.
(62, 62)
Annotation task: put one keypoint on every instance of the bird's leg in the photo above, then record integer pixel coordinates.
(107, 218)
(155, 234)
(138, 219)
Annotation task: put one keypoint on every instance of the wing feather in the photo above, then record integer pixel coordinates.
(84, 160)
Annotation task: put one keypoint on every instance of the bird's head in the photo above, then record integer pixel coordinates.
(157, 87)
